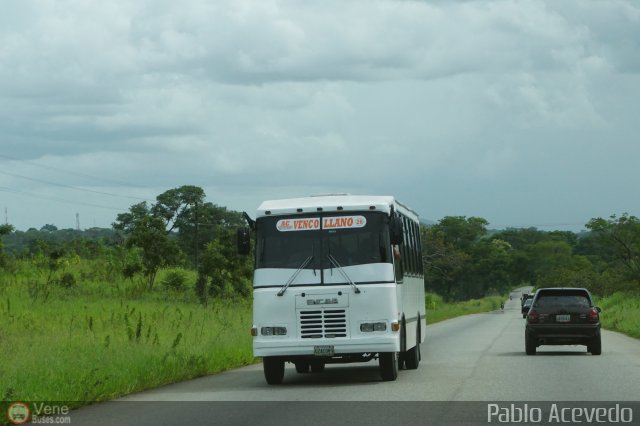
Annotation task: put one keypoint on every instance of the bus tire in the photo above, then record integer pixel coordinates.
(412, 356)
(388, 362)
(273, 369)
(302, 366)
(403, 345)
(317, 366)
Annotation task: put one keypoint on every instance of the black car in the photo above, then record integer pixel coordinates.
(524, 298)
(525, 306)
(563, 316)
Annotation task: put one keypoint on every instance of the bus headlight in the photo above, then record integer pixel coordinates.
(273, 331)
(379, 326)
(367, 327)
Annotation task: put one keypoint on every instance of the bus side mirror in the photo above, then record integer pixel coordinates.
(395, 230)
(243, 239)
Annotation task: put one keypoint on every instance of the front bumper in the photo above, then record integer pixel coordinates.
(273, 347)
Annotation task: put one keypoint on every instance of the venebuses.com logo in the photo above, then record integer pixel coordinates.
(18, 413)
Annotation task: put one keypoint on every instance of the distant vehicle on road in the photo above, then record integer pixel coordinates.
(563, 316)
(525, 307)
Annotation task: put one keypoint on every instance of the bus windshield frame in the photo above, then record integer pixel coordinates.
(351, 238)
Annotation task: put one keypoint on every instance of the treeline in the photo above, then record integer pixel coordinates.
(180, 230)
(88, 242)
(462, 258)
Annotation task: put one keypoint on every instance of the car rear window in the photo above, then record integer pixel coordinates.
(563, 298)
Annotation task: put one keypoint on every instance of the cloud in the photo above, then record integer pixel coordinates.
(282, 97)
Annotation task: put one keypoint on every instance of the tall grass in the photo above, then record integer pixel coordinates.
(438, 310)
(98, 340)
(621, 312)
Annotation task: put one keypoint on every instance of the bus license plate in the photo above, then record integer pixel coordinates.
(323, 350)
(563, 318)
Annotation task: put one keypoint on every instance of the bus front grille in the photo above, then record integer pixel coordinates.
(327, 323)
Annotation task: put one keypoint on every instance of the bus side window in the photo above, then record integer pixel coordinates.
(397, 255)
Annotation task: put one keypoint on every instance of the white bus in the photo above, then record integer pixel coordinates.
(337, 279)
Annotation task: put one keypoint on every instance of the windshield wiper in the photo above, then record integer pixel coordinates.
(313, 255)
(343, 272)
(295, 274)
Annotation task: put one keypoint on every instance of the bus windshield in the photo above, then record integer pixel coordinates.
(353, 238)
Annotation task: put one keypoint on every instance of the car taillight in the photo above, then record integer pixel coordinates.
(533, 316)
(593, 315)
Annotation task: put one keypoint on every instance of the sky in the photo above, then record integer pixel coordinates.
(525, 113)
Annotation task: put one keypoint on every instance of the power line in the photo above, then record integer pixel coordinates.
(114, 181)
(70, 186)
(60, 200)
(540, 225)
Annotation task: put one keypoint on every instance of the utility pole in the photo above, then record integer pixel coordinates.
(77, 221)
(6, 216)
(197, 224)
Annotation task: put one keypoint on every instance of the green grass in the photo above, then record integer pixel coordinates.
(76, 346)
(438, 310)
(621, 312)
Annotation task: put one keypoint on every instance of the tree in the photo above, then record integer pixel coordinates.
(549, 255)
(5, 229)
(182, 222)
(176, 206)
(619, 239)
(148, 232)
(462, 232)
(443, 262)
(223, 272)
(520, 238)
(195, 222)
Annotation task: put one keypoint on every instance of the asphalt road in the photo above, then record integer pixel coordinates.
(473, 358)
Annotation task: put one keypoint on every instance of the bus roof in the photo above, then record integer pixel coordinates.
(333, 203)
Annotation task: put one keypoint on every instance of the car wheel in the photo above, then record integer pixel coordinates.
(529, 345)
(273, 369)
(302, 366)
(595, 347)
(388, 362)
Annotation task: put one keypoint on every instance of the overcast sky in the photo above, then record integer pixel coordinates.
(525, 113)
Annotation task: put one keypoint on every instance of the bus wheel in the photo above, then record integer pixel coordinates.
(273, 369)
(412, 356)
(388, 362)
(302, 366)
(317, 366)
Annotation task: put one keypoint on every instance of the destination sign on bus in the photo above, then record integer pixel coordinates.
(301, 224)
(344, 222)
(313, 223)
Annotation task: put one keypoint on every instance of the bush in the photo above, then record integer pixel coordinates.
(432, 300)
(175, 279)
(67, 280)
